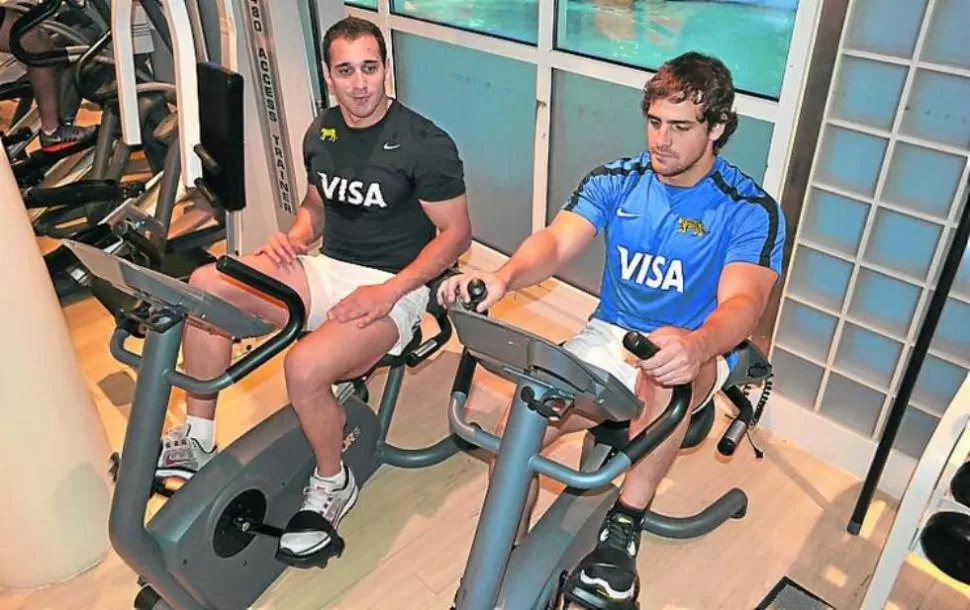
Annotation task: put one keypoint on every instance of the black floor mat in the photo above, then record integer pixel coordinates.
(789, 595)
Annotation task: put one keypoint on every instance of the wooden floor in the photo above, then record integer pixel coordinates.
(410, 533)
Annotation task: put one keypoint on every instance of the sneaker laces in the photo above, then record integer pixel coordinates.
(320, 496)
(621, 533)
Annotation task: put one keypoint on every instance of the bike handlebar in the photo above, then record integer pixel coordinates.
(638, 447)
(296, 320)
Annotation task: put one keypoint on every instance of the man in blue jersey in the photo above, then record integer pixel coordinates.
(693, 248)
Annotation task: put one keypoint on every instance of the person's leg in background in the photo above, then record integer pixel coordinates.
(43, 81)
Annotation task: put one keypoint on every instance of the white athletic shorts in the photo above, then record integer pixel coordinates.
(331, 280)
(601, 344)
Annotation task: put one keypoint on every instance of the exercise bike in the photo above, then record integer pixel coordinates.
(213, 543)
(540, 573)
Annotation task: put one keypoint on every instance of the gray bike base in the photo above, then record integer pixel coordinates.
(223, 567)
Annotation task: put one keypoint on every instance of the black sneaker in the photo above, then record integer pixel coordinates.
(610, 570)
(64, 136)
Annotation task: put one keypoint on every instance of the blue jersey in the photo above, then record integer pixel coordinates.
(666, 246)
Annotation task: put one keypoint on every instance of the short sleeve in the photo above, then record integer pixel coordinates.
(596, 197)
(758, 235)
(439, 173)
(311, 139)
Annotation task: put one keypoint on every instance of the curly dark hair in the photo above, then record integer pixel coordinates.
(352, 28)
(704, 80)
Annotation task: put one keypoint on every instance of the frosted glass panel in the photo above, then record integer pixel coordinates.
(868, 92)
(371, 4)
(487, 104)
(885, 26)
(903, 243)
(884, 302)
(923, 179)
(946, 41)
(852, 404)
(619, 131)
(851, 160)
(937, 109)
(834, 221)
(513, 19)
(953, 331)
(867, 355)
(937, 383)
(796, 378)
(806, 329)
(819, 278)
(914, 432)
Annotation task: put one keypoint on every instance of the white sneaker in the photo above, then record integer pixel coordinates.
(182, 455)
(332, 502)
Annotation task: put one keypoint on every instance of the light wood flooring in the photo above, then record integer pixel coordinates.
(409, 535)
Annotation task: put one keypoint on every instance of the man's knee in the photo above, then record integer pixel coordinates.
(307, 370)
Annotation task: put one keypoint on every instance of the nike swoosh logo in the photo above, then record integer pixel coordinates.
(391, 146)
(624, 214)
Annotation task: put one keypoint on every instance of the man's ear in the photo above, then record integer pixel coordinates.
(716, 131)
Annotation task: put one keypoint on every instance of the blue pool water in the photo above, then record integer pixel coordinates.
(750, 36)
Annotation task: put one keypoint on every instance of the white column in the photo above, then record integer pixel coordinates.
(54, 450)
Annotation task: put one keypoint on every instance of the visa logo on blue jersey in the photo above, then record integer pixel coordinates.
(651, 270)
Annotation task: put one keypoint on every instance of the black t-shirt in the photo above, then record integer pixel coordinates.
(371, 181)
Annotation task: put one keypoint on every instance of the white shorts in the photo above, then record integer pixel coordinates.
(331, 280)
(601, 344)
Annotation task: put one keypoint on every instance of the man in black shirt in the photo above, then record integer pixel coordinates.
(387, 193)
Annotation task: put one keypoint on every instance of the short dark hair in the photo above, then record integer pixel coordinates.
(704, 80)
(352, 28)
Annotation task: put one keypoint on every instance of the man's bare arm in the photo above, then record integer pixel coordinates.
(742, 294)
(454, 237)
(544, 252)
(308, 224)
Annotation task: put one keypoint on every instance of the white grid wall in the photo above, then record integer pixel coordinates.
(886, 187)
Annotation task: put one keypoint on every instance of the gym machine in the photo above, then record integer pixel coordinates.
(259, 41)
(551, 382)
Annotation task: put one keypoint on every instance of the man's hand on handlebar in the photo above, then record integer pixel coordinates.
(678, 361)
(282, 249)
(456, 287)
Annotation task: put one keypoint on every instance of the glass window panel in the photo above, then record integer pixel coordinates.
(806, 329)
(371, 4)
(851, 160)
(616, 130)
(923, 179)
(868, 92)
(937, 383)
(946, 41)
(487, 104)
(751, 37)
(903, 243)
(819, 277)
(915, 431)
(952, 336)
(512, 19)
(884, 302)
(834, 221)
(885, 26)
(937, 110)
(852, 404)
(796, 378)
(867, 355)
